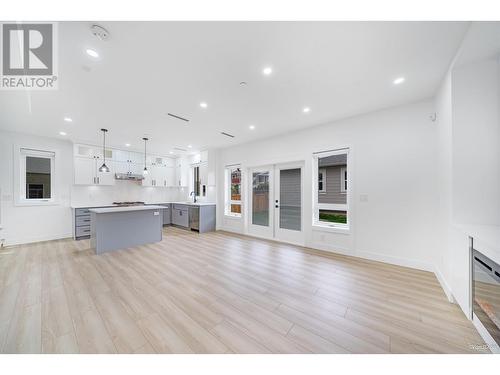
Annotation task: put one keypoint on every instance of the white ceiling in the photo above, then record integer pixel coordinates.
(147, 69)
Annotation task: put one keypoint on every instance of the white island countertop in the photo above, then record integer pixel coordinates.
(108, 210)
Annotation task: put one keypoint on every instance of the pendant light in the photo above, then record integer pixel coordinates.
(104, 167)
(145, 171)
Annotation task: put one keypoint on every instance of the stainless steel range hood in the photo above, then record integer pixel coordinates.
(129, 176)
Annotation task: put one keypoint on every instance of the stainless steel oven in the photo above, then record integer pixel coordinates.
(486, 293)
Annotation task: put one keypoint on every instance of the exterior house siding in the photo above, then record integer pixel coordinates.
(333, 194)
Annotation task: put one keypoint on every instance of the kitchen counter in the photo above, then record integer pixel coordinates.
(114, 228)
(195, 204)
(105, 210)
(76, 206)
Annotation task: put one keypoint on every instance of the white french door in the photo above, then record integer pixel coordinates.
(276, 202)
(261, 214)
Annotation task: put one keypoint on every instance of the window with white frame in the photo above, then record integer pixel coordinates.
(322, 180)
(36, 176)
(233, 191)
(331, 205)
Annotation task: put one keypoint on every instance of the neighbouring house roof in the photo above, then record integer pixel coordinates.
(333, 160)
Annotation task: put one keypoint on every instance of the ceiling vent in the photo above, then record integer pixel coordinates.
(178, 117)
(180, 149)
(99, 32)
(227, 134)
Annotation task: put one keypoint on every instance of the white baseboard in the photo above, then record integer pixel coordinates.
(444, 285)
(331, 249)
(23, 241)
(403, 262)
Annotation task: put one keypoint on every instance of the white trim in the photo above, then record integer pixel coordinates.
(403, 262)
(444, 285)
(19, 168)
(316, 206)
(28, 240)
(227, 192)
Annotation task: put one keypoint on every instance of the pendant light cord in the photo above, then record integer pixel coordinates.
(104, 147)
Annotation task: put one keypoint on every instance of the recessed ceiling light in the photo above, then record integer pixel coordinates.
(251, 127)
(306, 110)
(203, 105)
(171, 152)
(127, 144)
(189, 146)
(62, 133)
(399, 80)
(68, 119)
(92, 53)
(267, 70)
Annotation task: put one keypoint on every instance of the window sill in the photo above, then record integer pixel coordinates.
(331, 228)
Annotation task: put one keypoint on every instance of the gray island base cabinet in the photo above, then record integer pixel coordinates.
(116, 228)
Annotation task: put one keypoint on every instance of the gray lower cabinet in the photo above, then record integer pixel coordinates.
(81, 223)
(180, 215)
(167, 214)
(197, 218)
(202, 218)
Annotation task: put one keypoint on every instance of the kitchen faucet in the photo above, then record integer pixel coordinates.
(194, 196)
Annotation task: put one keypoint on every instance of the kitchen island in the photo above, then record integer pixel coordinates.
(114, 228)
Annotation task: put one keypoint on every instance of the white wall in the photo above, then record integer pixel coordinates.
(468, 140)
(393, 162)
(35, 223)
(476, 143)
(23, 224)
(443, 105)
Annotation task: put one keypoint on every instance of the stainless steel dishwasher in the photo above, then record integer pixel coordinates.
(194, 218)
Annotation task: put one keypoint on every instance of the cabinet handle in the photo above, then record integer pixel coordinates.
(98, 180)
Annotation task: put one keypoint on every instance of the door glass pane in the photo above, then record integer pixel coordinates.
(260, 198)
(290, 199)
(38, 175)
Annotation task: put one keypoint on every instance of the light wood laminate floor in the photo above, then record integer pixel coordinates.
(219, 293)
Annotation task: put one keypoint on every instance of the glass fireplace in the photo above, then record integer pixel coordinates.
(486, 293)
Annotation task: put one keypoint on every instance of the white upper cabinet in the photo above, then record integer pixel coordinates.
(182, 172)
(87, 171)
(163, 171)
